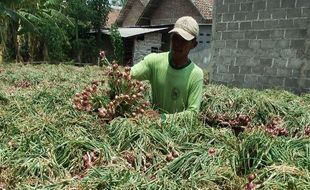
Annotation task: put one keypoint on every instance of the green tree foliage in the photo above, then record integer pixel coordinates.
(50, 36)
(94, 17)
(73, 9)
(99, 16)
(117, 43)
(11, 19)
(51, 29)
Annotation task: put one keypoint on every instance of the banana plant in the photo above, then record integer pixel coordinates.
(25, 18)
(11, 20)
(49, 19)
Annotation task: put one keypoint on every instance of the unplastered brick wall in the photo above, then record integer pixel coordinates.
(144, 46)
(261, 44)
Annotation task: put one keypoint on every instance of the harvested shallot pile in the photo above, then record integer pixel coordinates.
(67, 127)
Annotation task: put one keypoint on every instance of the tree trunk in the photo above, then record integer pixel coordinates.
(79, 55)
(77, 48)
(1, 53)
(19, 44)
(31, 43)
(45, 53)
(16, 40)
(3, 38)
(76, 30)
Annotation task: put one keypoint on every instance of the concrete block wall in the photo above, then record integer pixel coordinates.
(144, 47)
(201, 57)
(261, 44)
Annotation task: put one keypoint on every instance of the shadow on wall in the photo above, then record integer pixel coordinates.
(201, 57)
(304, 78)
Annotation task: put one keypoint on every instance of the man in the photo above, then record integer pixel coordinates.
(175, 80)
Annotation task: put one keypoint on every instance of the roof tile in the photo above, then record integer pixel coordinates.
(205, 8)
(112, 16)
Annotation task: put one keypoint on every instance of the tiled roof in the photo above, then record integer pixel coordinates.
(127, 7)
(112, 17)
(205, 8)
(144, 2)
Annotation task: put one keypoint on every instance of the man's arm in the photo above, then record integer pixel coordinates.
(142, 70)
(195, 96)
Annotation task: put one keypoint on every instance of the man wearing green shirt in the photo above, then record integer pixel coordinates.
(176, 81)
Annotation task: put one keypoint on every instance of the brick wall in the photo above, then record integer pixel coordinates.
(144, 47)
(262, 44)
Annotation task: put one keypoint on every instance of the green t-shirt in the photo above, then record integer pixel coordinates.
(173, 90)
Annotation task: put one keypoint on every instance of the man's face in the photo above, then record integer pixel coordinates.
(180, 46)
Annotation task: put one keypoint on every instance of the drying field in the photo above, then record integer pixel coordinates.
(242, 139)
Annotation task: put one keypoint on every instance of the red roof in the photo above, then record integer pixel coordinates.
(112, 16)
(205, 8)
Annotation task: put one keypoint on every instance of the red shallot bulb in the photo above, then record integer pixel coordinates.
(251, 177)
(175, 153)
(169, 157)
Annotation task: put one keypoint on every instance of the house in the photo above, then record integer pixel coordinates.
(113, 15)
(144, 26)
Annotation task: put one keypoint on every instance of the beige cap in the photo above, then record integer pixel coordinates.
(187, 27)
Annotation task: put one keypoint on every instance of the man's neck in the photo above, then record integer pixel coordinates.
(179, 61)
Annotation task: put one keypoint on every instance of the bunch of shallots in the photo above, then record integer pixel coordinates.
(307, 131)
(251, 185)
(274, 128)
(172, 154)
(224, 120)
(83, 101)
(123, 97)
